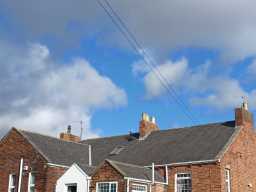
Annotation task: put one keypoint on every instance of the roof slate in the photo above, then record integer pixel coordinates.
(57, 151)
(135, 172)
(197, 143)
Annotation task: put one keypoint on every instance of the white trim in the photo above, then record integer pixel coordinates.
(79, 168)
(153, 173)
(20, 175)
(176, 179)
(166, 175)
(188, 162)
(90, 155)
(143, 180)
(109, 182)
(29, 180)
(128, 185)
(141, 185)
(57, 165)
(140, 180)
(227, 180)
(10, 186)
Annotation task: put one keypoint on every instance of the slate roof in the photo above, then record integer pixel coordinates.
(89, 170)
(57, 151)
(102, 147)
(197, 143)
(134, 171)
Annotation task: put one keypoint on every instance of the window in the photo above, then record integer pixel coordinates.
(12, 182)
(107, 187)
(183, 182)
(227, 180)
(31, 182)
(72, 188)
(139, 188)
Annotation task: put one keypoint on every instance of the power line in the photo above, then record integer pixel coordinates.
(151, 63)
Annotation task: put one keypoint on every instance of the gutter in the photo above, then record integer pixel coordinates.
(188, 163)
(57, 165)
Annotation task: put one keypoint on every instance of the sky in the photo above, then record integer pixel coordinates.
(65, 61)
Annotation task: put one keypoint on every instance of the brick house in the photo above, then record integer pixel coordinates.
(216, 157)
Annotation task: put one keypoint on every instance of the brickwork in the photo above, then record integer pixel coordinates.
(106, 173)
(240, 159)
(52, 175)
(14, 147)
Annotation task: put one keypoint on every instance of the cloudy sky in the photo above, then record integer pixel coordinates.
(65, 61)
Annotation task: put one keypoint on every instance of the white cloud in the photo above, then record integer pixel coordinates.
(227, 26)
(172, 73)
(198, 85)
(39, 94)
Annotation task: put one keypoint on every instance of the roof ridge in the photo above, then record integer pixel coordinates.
(49, 136)
(161, 130)
(105, 137)
(195, 126)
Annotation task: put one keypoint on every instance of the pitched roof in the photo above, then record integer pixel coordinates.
(135, 171)
(89, 170)
(57, 151)
(102, 147)
(197, 143)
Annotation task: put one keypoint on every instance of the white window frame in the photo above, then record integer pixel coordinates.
(227, 180)
(70, 184)
(140, 185)
(10, 185)
(176, 180)
(108, 182)
(29, 182)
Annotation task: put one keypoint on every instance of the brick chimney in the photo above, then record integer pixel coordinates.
(243, 116)
(147, 125)
(68, 136)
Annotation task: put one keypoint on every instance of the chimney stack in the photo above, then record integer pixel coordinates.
(68, 136)
(243, 116)
(147, 125)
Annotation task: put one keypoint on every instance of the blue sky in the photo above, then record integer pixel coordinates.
(63, 62)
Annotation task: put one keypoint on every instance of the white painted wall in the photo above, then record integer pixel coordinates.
(73, 175)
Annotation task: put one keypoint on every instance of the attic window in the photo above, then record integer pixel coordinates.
(117, 150)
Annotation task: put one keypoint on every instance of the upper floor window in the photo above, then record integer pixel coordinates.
(31, 182)
(183, 182)
(227, 180)
(139, 188)
(106, 187)
(12, 182)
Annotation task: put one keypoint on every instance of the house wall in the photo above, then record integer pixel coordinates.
(71, 176)
(107, 173)
(205, 177)
(240, 158)
(14, 147)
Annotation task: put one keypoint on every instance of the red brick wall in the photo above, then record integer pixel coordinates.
(12, 149)
(107, 173)
(205, 177)
(240, 158)
(52, 175)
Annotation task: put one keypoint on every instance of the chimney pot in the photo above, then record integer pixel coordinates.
(147, 125)
(68, 136)
(145, 117)
(69, 129)
(243, 117)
